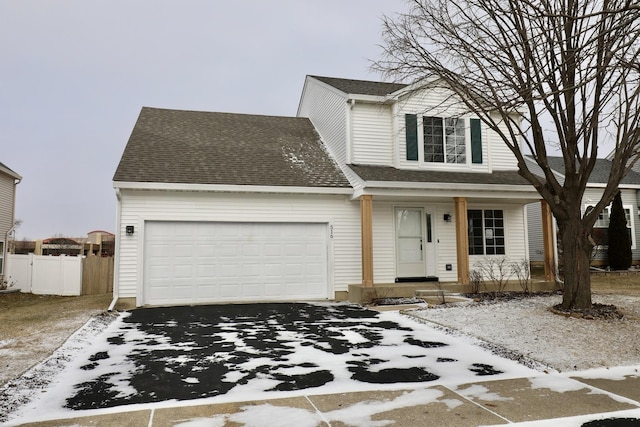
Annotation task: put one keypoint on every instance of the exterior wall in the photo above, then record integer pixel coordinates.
(7, 209)
(500, 155)
(591, 197)
(441, 102)
(444, 236)
(372, 136)
(536, 243)
(327, 110)
(137, 206)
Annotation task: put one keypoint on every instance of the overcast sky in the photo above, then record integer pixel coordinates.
(75, 74)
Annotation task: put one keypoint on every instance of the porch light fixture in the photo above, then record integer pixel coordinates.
(129, 230)
(447, 217)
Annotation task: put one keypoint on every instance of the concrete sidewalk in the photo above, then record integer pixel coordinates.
(498, 402)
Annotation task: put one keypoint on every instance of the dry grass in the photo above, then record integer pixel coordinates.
(33, 326)
(618, 284)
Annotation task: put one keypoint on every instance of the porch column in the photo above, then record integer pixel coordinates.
(366, 225)
(547, 239)
(462, 239)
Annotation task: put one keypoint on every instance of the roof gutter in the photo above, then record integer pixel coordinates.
(122, 185)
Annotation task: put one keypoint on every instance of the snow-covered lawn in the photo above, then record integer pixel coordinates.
(562, 343)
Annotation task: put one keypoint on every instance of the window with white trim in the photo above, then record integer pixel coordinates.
(600, 232)
(486, 232)
(445, 140)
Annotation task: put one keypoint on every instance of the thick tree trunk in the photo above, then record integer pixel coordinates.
(577, 259)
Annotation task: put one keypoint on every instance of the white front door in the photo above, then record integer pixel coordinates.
(410, 260)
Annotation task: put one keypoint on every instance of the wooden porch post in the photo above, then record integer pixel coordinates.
(462, 239)
(366, 225)
(547, 239)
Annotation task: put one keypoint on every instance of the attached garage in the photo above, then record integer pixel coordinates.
(203, 262)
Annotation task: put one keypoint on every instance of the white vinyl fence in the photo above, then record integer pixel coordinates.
(45, 275)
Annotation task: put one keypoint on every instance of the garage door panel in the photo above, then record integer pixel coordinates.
(212, 262)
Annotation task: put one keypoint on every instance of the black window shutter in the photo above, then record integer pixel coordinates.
(476, 141)
(411, 126)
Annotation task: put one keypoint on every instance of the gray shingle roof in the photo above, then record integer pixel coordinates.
(361, 87)
(390, 174)
(191, 147)
(600, 174)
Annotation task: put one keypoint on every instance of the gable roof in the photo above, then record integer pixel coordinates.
(194, 147)
(600, 173)
(361, 87)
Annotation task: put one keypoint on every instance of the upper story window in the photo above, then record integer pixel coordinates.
(443, 140)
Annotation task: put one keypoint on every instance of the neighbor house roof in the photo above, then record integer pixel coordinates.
(361, 87)
(390, 174)
(193, 147)
(600, 173)
(4, 168)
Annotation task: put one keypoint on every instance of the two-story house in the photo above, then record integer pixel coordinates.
(372, 183)
(8, 182)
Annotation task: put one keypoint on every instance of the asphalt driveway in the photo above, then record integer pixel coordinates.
(182, 353)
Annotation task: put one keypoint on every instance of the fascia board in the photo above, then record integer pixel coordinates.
(620, 186)
(440, 193)
(228, 188)
(450, 186)
(426, 189)
(11, 173)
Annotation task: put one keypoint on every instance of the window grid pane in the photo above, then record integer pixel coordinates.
(486, 232)
(455, 140)
(433, 139)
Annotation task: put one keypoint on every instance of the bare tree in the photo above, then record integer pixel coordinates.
(522, 65)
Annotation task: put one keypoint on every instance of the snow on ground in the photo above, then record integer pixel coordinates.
(562, 343)
(524, 326)
(458, 360)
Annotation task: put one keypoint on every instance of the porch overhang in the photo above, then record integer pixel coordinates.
(519, 194)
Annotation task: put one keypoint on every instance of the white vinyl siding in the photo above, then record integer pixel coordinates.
(7, 197)
(341, 216)
(434, 102)
(443, 235)
(592, 196)
(514, 229)
(501, 156)
(327, 110)
(536, 243)
(372, 137)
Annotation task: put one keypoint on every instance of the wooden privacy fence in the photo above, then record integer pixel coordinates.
(97, 275)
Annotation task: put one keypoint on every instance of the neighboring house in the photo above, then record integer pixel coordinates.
(8, 182)
(372, 183)
(97, 242)
(630, 192)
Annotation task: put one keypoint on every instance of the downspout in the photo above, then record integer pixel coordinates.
(116, 267)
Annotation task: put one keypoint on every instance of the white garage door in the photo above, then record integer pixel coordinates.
(198, 262)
